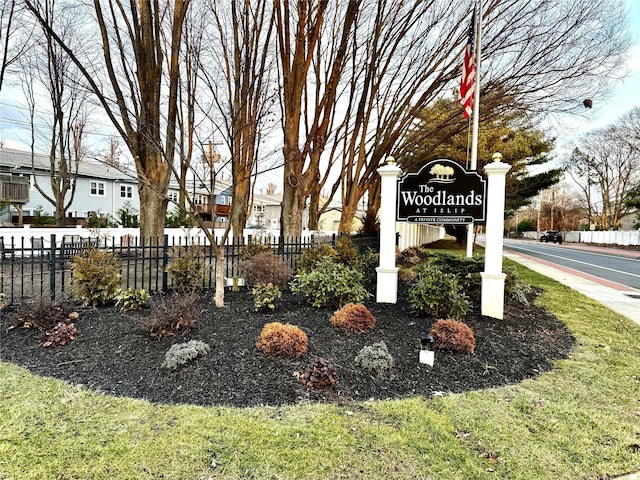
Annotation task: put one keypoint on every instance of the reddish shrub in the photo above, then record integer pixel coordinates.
(264, 268)
(319, 374)
(169, 314)
(353, 317)
(61, 334)
(282, 340)
(453, 335)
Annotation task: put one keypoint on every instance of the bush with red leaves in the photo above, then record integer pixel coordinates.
(61, 334)
(453, 335)
(319, 374)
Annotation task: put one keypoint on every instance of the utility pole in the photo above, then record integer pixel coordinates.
(553, 201)
(212, 158)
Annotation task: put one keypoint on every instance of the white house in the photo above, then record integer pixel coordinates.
(100, 189)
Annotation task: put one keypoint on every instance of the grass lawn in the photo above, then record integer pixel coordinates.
(579, 421)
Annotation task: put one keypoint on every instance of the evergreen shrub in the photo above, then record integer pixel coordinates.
(376, 359)
(187, 267)
(265, 297)
(438, 294)
(330, 284)
(183, 353)
(96, 277)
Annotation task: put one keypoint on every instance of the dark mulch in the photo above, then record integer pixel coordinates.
(111, 354)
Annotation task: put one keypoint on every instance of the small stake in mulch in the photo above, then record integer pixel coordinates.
(427, 355)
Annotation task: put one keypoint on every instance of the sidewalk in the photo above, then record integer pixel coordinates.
(619, 298)
(615, 296)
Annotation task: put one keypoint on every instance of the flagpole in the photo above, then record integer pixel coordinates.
(476, 110)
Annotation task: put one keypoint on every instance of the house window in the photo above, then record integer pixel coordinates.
(258, 209)
(173, 196)
(97, 189)
(126, 191)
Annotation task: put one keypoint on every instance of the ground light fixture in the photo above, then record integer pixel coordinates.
(427, 355)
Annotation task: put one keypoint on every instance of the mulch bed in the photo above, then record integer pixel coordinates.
(113, 355)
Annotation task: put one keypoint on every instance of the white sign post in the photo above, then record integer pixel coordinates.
(387, 272)
(492, 278)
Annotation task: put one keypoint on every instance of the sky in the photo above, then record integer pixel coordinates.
(625, 94)
(14, 121)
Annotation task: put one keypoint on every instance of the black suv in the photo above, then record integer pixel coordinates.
(551, 236)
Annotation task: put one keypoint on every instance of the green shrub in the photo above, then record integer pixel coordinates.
(171, 313)
(182, 353)
(466, 269)
(132, 298)
(514, 287)
(187, 267)
(96, 277)
(330, 284)
(178, 218)
(265, 297)
(128, 216)
(320, 373)
(376, 359)
(453, 335)
(282, 340)
(346, 252)
(353, 317)
(309, 257)
(438, 294)
(264, 268)
(367, 263)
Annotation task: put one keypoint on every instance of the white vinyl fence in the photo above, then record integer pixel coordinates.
(608, 237)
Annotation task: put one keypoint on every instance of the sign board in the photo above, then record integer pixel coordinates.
(442, 191)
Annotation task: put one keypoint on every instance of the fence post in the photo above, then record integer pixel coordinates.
(165, 262)
(52, 267)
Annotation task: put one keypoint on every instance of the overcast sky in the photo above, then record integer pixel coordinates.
(625, 93)
(14, 122)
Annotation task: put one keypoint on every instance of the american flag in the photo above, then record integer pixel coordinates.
(468, 71)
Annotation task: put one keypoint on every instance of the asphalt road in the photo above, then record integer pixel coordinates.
(614, 266)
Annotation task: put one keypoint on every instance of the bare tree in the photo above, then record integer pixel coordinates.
(407, 64)
(136, 88)
(238, 72)
(112, 156)
(308, 107)
(46, 65)
(187, 121)
(10, 48)
(606, 166)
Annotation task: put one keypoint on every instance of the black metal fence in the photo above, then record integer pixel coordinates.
(38, 267)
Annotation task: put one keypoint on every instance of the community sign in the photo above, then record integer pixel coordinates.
(442, 191)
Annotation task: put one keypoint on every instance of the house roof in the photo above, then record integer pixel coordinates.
(20, 162)
(262, 199)
(220, 187)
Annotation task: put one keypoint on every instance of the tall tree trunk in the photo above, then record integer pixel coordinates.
(240, 206)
